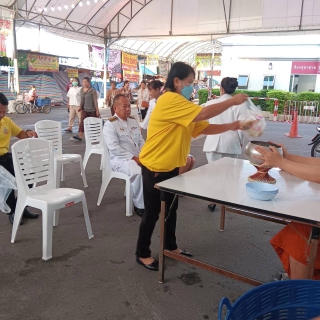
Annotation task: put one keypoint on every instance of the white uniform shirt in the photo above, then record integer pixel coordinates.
(74, 96)
(145, 123)
(230, 141)
(123, 139)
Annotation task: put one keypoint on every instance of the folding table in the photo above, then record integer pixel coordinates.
(224, 182)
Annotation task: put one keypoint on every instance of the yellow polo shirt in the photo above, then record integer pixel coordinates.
(169, 133)
(8, 129)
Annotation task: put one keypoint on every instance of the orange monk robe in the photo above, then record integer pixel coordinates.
(293, 240)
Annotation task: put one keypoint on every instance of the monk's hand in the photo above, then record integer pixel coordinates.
(285, 151)
(239, 98)
(271, 158)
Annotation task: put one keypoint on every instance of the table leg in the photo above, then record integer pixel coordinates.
(162, 237)
(313, 251)
(222, 217)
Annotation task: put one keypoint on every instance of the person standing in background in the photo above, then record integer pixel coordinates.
(229, 143)
(143, 99)
(112, 92)
(126, 91)
(88, 105)
(69, 85)
(74, 96)
(32, 95)
(154, 92)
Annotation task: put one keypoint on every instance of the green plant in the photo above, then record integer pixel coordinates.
(308, 96)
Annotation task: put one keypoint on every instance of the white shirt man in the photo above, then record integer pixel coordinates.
(226, 144)
(123, 138)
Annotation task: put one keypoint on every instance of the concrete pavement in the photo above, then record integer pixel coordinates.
(99, 279)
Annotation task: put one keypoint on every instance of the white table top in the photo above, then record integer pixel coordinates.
(224, 181)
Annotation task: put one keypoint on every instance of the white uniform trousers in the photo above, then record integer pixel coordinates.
(133, 170)
(214, 156)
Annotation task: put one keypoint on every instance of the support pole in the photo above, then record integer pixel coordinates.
(106, 61)
(15, 56)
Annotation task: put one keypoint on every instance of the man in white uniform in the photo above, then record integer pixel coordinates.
(124, 140)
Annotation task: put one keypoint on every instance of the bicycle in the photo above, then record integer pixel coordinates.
(21, 106)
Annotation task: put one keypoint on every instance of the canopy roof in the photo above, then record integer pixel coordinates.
(173, 29)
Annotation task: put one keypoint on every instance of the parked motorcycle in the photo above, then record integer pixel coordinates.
(315, 142)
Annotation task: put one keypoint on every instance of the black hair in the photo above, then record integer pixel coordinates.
(77, 79)
(118, 97)
(88, 79)
(155, 84)
(143, 81)
(229, 85)
(3, 100)
(33, 87)
(178, 70)
(112, 82)
(125, 82)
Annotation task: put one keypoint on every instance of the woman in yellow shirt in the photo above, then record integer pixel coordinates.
(174, 121)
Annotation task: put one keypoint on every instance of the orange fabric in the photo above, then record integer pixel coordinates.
(292, 241)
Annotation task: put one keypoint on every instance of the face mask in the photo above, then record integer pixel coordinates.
(186, 91)
(75, 83)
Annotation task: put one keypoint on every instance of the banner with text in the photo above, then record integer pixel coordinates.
(97, 57)
(132, 76)
(72, 73)
(6, 31)
(305, 67)
(42, 63)
(203, 61)
(129, 61)
(114, 63)
(152, 60)
(163, 68)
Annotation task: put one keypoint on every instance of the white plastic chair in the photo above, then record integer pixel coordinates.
(94, 139)
(51, 130)
(33, 163)
(107, 175)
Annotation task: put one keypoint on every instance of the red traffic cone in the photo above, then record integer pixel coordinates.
(294, 127)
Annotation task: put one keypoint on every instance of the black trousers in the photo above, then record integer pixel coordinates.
(152, 209)
(143, 113)
(7, 163)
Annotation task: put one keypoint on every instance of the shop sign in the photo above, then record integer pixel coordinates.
(132, 76)
(129, 61)
(72, 73)
(203, 60)
(152, 60)
(42, 63)
(305, 67)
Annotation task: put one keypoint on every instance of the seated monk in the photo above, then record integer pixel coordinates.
(292, 243)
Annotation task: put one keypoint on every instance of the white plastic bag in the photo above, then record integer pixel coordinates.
(254, 113)
(7, 184)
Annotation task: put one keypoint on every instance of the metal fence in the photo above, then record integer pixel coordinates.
(308, 111)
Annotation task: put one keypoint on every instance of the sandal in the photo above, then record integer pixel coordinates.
(77, 138)
(68, 130)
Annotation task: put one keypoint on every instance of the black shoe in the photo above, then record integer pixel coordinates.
(138, 211)
(154, 266)
(211, 207)
(30, 215)
(11, 218)
(186, 253)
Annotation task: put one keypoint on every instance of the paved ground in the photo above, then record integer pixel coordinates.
(99, 279)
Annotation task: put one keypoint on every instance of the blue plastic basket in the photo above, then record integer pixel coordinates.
(43, 102)
(285, 300)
